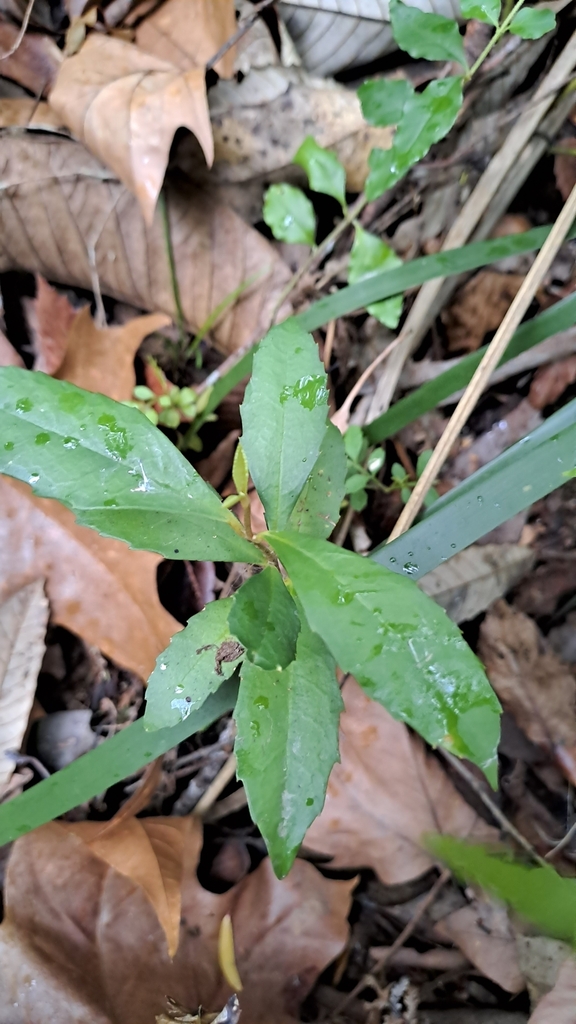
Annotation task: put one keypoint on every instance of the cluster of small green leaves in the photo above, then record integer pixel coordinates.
(364, 465)
(308, 606)
(171, 406)
(421, 119)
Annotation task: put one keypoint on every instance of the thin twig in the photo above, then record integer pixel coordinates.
(240, 31)
(342, 415)
(21, 34)
(495, 811)
(180, 318)
(329, 344)
(405, 934)
(489, 362)
(562, 844)
(210, 796)
(345, 525)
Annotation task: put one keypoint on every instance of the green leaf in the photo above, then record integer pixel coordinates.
(118, 473)
(359, 500)
(265, 620)
(389, 282)
(370, 255)
(529, 470)
(383, 100)
(195, 664)
(558, 318)
(317, 509)
(539, 894)
(400, 646)
(426, 35)
(117, 758)
(428, 117)
(240, 470)
(532, 24)
(376, 460)
(325, 172)
(354, 442)
(487, 11)
(284, 418)
(289, 214)
(287, 743)
(356, 482)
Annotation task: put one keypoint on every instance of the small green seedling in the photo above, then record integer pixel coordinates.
(307, 607)
(167, 405)
(364, 466)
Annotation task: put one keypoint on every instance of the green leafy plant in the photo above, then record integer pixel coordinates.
(307, 607)
(167, 405)
(364, 466)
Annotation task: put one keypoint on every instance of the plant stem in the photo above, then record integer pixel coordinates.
(180, 318)
(319, 251)
(502, 28)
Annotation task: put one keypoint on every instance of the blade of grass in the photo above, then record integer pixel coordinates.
(558, 318)
(529, 470)
(117, 758)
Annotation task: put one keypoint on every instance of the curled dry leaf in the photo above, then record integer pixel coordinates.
(64, 215)
(8, 354)
(50, 316)
(98, 588)
(478, 308)
(81, 941)
(22, 112)
(259, 124)
(23, 621)
(163, 33)
(125, 105)
(565, 166)
(558, 1006)
(550, 382)
(34, 64)
(473, 579)
(530, 680)
(483, 932)
(102, 358)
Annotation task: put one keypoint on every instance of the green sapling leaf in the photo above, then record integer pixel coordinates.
(264, 619)
(426, 35)
(400, 646)
(530, 23)
(383, 100)
(487, 11)
(325, 172)
(240, 470)
(538, 893)
(355, 442)
(287, 743)
(368, 257)
(428, 117)
(317, 509)
(194, 665)
(289, 214)
(359, 500)
(116, 471)
(284, 416)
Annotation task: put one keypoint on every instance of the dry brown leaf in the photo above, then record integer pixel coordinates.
(559, 1006)
(8, 354)
(98, 588)
(81, 944)
(165, 34)
(484, 934)
(34, 64)
(478, 308)
(473, 579)
(386, 793)
(533, 684)
(50, 316)
(23, 621)
(64, 215)
(126, 105)
(102, 358)
(565, 166)
(27, 113)
(149, 851)
(551, 381)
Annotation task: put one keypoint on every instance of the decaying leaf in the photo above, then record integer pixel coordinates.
(472, 580)
(558, 1006)
(163, 34)
(63, 214)
(483, 932)
(550, 382)
(260, 122)
(100, 589)
(27, 113)
(23, 621)
(332, 35)
(565, 166)
(126, 105)
(8, 354)
(530, 680)
(102, 358)
(50, 316)
(81, 943)
(478, 308)
(36, 61)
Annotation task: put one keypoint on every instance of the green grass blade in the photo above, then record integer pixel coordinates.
(115, 759)
(526, 472)
(391, 282)
(558, 318)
